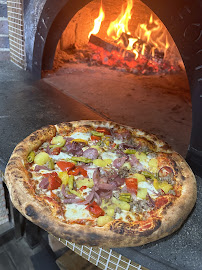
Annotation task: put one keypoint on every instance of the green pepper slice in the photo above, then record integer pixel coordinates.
(30, 157)
(96, 133)
(126, 197)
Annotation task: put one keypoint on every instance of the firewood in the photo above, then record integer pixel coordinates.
(110, 47)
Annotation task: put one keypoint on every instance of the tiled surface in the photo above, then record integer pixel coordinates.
(17, 255)
(3, 9)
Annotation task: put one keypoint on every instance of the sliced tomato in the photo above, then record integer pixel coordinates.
(83, 172)
(104, 130)
(161, 201)
(54, 181)
(74, 172)
(65, 166)
(56, 151)
(78, 170)
(95, 210)
(95, 138)
(132, 184)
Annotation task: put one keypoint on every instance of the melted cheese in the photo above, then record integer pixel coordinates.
(61, 156)
(116, 141)
(80, 135)
(109, 155)
(123, 215)
(90, 171)
(76, 211)
(150, 188)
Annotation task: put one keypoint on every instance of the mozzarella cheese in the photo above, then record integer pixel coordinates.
(150, 189)
(81, 135)
(61, 156)
(109, 155)
(90, 170)
(123, 215)
(76, 211)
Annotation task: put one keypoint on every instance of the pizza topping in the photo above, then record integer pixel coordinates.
(103, 164)
(57, 141)
(37, 168)
(74, 148)
(166, 174)
(131, 184)
(102, 220)
(64, 177)
(41, 158)
(30, 157)
(82, 159)
(117, 163)
(84, 182)
(65, 166)
(55, 151)
(91, 153)
(44, 183)
(104, 130)
(51, 181)
(160, 201)
(95, 210)
(126, 197)
(162, 185)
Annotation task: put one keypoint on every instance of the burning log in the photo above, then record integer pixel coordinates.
(129, 55)
(110, 47)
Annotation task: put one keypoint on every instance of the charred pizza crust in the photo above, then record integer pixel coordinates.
(116, 233)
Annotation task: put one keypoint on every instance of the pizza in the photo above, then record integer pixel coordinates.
(100, 183)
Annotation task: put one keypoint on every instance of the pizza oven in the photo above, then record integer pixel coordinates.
(53, 27)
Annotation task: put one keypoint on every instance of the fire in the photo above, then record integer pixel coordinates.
(147, 43)
(97, 22)
(120, 25)
(153, 34)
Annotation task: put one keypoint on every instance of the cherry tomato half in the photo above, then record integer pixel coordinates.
(65, 165)
(95, 210)
(132, 184)
(104, 130)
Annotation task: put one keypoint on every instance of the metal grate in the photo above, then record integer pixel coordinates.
(105, 259)
(16, 32)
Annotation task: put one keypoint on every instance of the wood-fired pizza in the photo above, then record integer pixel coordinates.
(100, 183)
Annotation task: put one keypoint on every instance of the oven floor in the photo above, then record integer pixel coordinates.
(158, 104)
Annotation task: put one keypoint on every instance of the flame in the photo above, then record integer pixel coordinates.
(120, 25)
(153, 34)
(147, 39)
(97, 22)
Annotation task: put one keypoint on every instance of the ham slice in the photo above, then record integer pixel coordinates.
(44, 183)
(89, 198)
(91, 153)
(74, 148)
(118, 162)
(39, 167)
(135, 163)
(107, 186)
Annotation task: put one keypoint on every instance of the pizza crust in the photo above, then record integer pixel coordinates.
(16, 179)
